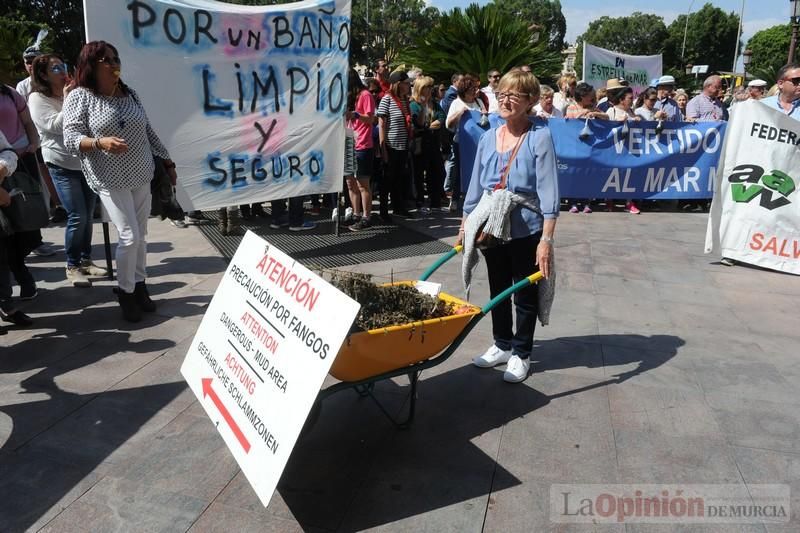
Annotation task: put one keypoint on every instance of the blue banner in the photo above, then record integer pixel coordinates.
(602, 160)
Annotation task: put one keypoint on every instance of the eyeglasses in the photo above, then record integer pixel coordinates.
(58, 69)
(512, 97)
(494, 77)
(110, 60)
(795, 81)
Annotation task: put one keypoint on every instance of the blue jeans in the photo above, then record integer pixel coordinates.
(79, 200)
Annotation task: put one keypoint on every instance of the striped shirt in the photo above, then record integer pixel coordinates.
(704, 109)
(396, 124)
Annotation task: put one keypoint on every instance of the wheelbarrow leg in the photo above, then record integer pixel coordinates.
(413, 378)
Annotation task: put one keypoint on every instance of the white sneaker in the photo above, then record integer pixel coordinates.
(517, 369)
(494, 356)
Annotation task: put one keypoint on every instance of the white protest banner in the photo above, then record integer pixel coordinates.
(600, 65)
(755, 215)
(261, 353)
(249, 100)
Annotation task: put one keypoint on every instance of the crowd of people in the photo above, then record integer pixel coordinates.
(87, 138)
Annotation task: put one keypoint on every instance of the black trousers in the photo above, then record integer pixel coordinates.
(396, 181)
(507, 264)
(429, 173)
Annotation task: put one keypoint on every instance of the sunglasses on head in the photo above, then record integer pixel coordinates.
(110, 60)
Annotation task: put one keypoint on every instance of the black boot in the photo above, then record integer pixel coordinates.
(127, 302)
(143, 298)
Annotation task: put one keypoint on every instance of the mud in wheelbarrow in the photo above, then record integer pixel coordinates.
(368, 357)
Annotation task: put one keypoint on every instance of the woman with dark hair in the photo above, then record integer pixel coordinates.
(107, 127)
(467, 89)
(646, 104)
(360, 118)
(49, 88)
(395, 133)
(428, 119)
(20, 133)
(621, 103)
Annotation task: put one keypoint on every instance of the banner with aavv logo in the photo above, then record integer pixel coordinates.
(600, 65)
(755, 215)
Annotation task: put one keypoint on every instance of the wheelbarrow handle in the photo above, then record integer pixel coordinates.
(521, 284)
(442, 260)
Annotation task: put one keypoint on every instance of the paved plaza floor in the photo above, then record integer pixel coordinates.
(660, 366)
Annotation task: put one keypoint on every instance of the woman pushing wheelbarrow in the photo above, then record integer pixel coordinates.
(510, 214)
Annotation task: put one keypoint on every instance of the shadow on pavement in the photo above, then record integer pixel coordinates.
(353, 470)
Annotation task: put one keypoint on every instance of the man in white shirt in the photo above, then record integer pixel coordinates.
(24, 87)
(494, 80)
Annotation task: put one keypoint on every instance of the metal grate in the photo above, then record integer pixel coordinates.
(320, 248)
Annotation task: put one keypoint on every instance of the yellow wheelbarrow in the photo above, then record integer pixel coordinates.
(367, 357)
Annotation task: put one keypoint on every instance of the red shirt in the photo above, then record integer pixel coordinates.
(365, 105)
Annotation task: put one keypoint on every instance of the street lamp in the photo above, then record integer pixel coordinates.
(686, 28)
(747, 55)
(795, 20)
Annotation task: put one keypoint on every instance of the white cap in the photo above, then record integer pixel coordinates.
(666, 80)
(757, 83)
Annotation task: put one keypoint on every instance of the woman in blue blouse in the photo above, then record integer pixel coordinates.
(532, 174)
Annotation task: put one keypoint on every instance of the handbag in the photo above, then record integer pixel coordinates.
(484, 240)
(28, 210)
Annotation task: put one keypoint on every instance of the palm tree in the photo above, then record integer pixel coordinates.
(478, 39)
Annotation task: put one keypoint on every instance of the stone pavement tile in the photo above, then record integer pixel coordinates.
(694, 528)
(645, 311)
(689, 417)
(120, 505)
(649, 368)
(756, 380)
(773, 467)
(220, 517)
(658, 337)
(574, 258)
(36, 488)
(630, 397)
(678, 273)
(769, 317)
(434, 477)
(609, 266)
(526, 508)
(110, 429)
(621, 286)
(706, 296)
(25, 420)
(186, 456)
(755, 423)
(327, 465)
(574, 281)
(653, 457)
(567, 356)
(568, 324)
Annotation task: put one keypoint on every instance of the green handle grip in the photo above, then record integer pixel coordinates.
(439, 262)
(521, 284)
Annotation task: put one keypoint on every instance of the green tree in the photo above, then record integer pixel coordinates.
(544, 13)
(63, 17)
(710, 40)
(477, 39)
(380, 28)
(638, 34)
(770, 49)
(15, 37)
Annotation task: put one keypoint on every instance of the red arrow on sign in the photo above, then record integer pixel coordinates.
(208, 391)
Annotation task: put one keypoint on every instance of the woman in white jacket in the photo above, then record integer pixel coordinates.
(49, 88)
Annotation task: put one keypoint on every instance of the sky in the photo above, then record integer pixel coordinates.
(758, 14)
